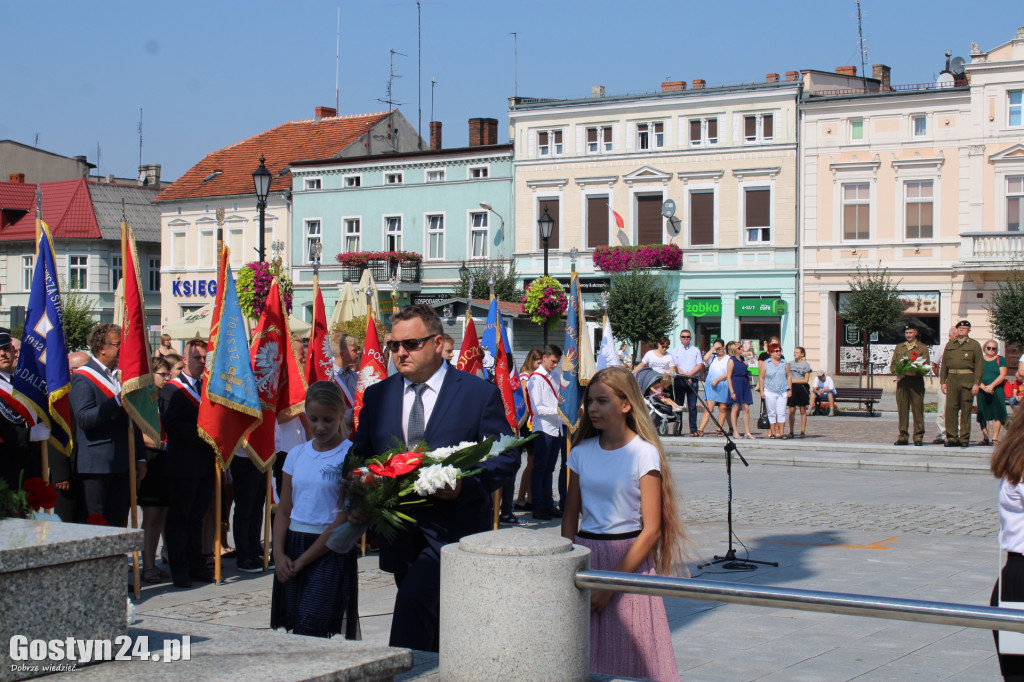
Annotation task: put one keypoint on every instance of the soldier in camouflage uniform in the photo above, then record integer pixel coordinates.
(910, 389)
(962, 367)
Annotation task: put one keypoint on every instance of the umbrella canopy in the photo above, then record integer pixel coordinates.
(196, 325)
(366, 283)
(119, 303)
(347, 306)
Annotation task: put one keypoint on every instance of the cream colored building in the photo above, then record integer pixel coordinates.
(925, 180)
(727, 157)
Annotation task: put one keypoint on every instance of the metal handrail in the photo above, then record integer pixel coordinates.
(942, 613)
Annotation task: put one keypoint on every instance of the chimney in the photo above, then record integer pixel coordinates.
(673, 86)
(846, 70)
(109, 178)
(597, 91)
(435, 136)
(475, 136)
(490, 131)
(325, 112)
(83, 165)
(698, 84)
(149, 175)
(792, 75)
(883, 73)
(771, 78)
(483, 131)
(17, 178)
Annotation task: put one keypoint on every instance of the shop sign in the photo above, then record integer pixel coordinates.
(760, 307)
(431, 299)
(588, 285)
(708, 307)
(194, 287)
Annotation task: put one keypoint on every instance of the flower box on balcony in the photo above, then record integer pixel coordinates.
(624, 258)
(381, 264)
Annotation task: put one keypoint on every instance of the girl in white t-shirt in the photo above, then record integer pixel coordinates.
(315, 589)
(622, 487)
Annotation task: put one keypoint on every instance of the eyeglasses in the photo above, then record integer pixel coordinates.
(684, 336)
(408, 344)
(115, 345)
(991, 347)
(165, 375)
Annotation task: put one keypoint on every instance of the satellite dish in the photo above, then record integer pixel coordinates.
(668, 208)
(956, 66)
(945, 80)
(675, 225)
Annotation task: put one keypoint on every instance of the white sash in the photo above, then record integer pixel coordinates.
(110, 387)
(188, 389)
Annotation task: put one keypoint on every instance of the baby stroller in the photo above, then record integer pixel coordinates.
(666, 421)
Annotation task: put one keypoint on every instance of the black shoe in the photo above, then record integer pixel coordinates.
(951, 444)
(509, 519)
(939, 441)
(182, 582)
(918, 442)
(250, 565)
(526, 506)
(541, 516)
(964, 444)
(901, 442)
(556, 513)
(201, 576)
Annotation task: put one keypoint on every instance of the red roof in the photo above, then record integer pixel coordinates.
(310, 139)
(67, 209)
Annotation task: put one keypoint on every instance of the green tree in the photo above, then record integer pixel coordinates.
(1006, 310)
(78, 317)
(640, 308)
(873, 305)
(506, 288)
(357, 328)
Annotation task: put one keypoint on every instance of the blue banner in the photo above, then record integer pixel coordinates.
(231, 379)
(571, 395)
(517, 389)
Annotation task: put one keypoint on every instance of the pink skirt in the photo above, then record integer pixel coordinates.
(630, 637)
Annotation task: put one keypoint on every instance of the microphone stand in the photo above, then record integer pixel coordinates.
(730, 561)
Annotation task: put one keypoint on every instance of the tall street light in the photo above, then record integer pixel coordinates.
(261, 178)
(546, 224)
(487, 207)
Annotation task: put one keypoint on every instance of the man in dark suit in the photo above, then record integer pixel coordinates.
(102, 428)
(189, 469)
(430, 401)
(16, 460)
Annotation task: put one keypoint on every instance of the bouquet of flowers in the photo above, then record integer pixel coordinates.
(387, 488)
(914, 365)
(545, 301)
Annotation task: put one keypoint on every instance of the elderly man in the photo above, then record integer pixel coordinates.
(689, 363)
(910, 388)
(962, 367)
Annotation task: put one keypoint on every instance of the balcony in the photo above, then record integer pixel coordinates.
(382, 271)
(987, 249)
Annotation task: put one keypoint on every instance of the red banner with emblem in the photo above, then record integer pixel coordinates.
(470, 359)
(371, 370)
(319, 360)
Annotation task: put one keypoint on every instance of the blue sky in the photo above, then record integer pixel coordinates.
(208, 74)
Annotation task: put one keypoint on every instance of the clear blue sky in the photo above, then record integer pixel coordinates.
(208, 74)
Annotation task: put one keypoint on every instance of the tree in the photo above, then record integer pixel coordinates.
(1006, 310)
(357, 328)
(78, 319)
(640, 308)
(506, 287)
(873, 305)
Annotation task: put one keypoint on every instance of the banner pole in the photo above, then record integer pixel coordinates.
(133, 501)
(217, 522)
(266, 519)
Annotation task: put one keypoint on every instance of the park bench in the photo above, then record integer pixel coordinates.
(867, 396)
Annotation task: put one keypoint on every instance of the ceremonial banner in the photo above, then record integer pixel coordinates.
(469, 355)
(608, 356)
(138, 393)
(503, 378)
(230, 407)
(319, 359)
(518, 395)
(571, 394)
(372, 369)
(42, 379)
(279, 381)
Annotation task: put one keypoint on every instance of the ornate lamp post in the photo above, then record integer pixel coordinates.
(261, 179)
(546, 224)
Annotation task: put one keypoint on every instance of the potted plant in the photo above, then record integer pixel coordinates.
(253, 286)
(645, 256)
(545, 301)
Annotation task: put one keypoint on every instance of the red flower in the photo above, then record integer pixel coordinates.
(96, 520)
(398, 465)
(40, 494)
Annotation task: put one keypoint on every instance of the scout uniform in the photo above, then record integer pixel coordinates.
(910, 392)
(962, 367)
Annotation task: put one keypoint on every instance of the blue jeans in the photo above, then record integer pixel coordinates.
(686, 394)
(545, 456)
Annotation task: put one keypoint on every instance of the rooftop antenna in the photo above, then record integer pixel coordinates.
(97, 157)
(515, 64)
(37, 141)
(862, 48)
(390, 98)
(140, 136)
(337, 60)
(419, 74)
(433, 82)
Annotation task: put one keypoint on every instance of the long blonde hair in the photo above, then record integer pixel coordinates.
(1008, 456)
(668, 552)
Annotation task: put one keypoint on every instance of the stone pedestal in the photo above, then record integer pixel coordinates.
(510, 609)
(61, 580)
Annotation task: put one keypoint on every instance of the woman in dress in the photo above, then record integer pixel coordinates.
(1008, 466)
(800, 371)
(740, 397)
(622, 486)
(658, 358)
(523, 502)
(716, 387)
(776, 385)
(164, 348)
(153, 496)
(315, 589)
(991, 398)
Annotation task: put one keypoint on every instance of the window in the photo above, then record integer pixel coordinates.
(479, 172)
(599, 139)
(208, 249)
(78, 272)
(552, 206)
(920, 124)
(549, 142)
(353, 234)
(856, 210)
(650, 135)
(116, 271)
(154, 273)
(1014, 203)
(856, 129)
(393, 179)
(310, 183)
(435, 175)
(1016, 113)
(702, 218)
(703, 132)
(393, 232)
(649, 221)
(28, 271)
(178, 249)
(237, 246)
(312, 235)
(598, 222)
(919, 209)
(478, 235)
(353, 181)
(758, 128)
(435, 237)
(757, 214)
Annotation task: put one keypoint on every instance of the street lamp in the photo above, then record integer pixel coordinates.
(487, 207)
(546, 224)
(261, 178)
